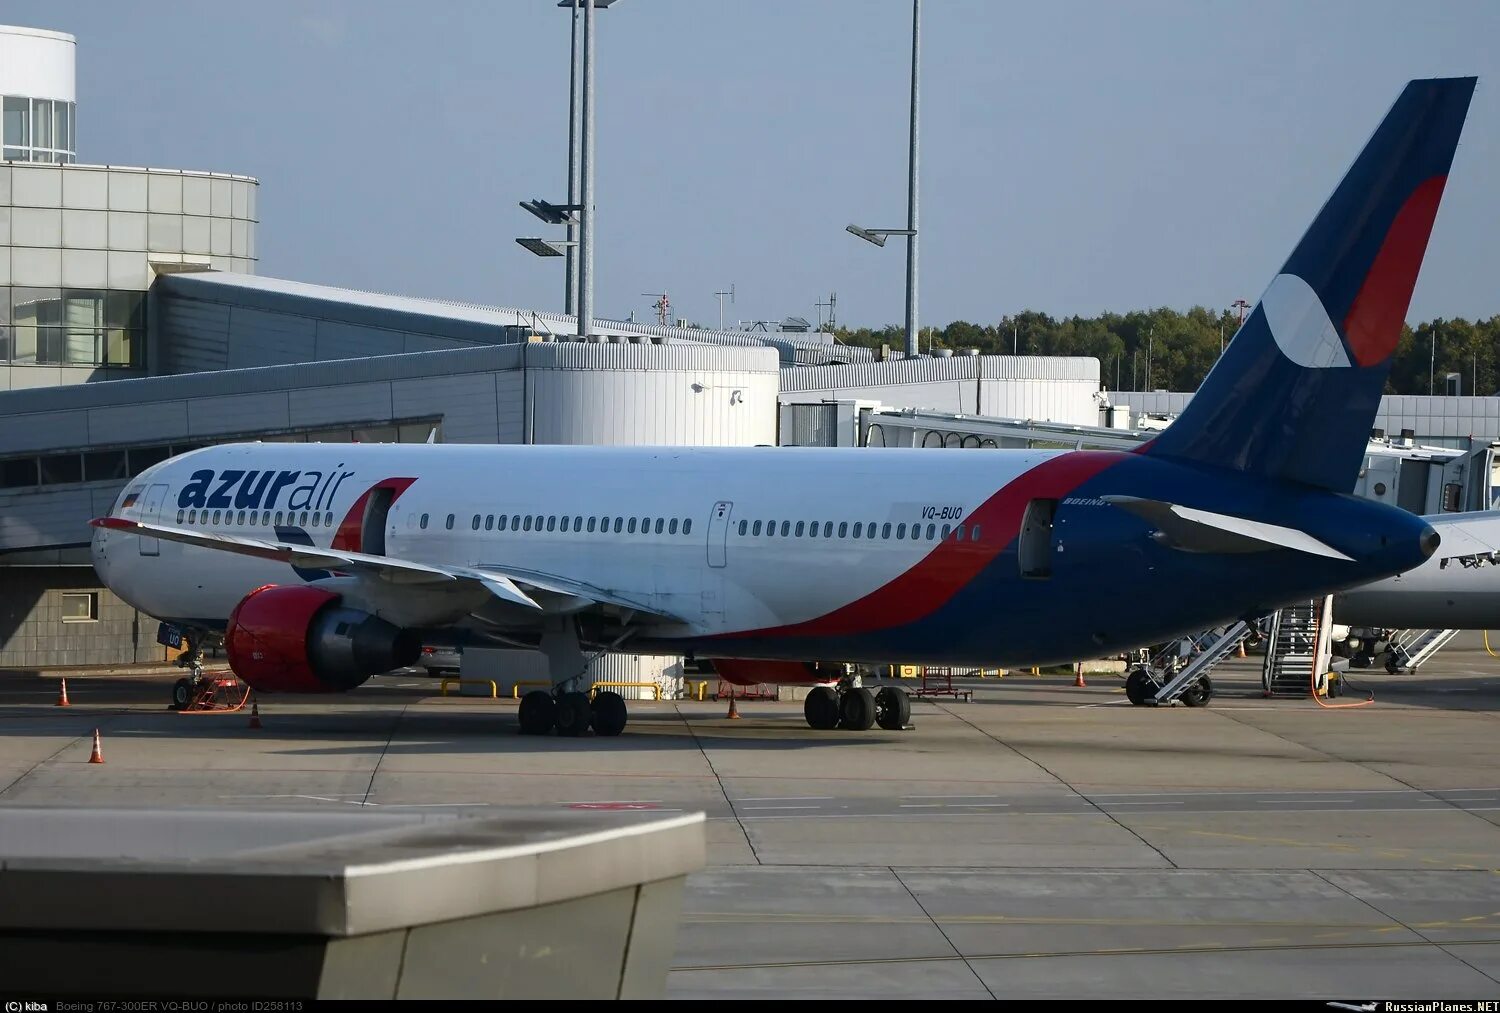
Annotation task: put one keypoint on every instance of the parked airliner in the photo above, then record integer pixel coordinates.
(321, 565)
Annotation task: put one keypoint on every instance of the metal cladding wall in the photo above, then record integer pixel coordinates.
(651, 395)
(1434, 420)
(74, 231)
(1056, 389)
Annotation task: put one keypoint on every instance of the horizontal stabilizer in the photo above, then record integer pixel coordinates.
(1194, 530)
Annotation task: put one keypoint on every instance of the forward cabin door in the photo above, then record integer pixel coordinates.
(718, 533)
(151, 514)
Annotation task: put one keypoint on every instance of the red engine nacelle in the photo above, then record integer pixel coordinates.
(746, 672)
(297, 639)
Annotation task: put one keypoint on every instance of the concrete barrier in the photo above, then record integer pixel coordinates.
(307, 904)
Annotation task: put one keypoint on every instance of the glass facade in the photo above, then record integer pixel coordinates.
(72, 327)
(38, 129)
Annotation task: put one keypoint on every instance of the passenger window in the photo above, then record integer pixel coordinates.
(900, 531)
(216, 518)
(180, 515)
(591, 523)
(800, 526)
(843, 529)
(660, 522)
(489, 522)
(551, 523)
(526, 523)
(828, 529)
(538, 524)
(500, 522)
(744, 525)
(317, 519)
(885, 532)
(328, 520)
(265, 518)
(687, 526)
(645, 525)
(515, 522)
(672, 527)
(870, 530)
(619, 524)
(192, 517)
(931, 532)
(959, 533)
(632, 525)
(916, 531)
(947, 530)
(812, 530)
(974, 533)
(474, 524)
(450, 522)
(241, 521)
(423, 525)
(756, 529)
(785, 527)
(304, 520)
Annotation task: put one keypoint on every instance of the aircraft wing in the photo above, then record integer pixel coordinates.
(1194, 530)
(504, 583)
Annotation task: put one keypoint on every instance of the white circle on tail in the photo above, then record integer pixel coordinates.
(1300, 324)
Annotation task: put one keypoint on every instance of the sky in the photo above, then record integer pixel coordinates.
(1076, 156)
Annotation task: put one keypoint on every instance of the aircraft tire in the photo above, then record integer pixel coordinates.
(573, 714)
(538, 713)
(857, 710)
(609, 713)
(892, 708)
(183, 692)
(821, 708)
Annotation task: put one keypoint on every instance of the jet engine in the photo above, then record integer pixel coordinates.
(299, 639)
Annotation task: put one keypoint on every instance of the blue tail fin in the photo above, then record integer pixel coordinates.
(1296, 392)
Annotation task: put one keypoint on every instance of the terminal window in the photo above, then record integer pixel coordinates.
(72, 327)
(80, 606)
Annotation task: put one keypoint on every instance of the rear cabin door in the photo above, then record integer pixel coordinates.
(1034, 549)
(151, 514)
(718, 533)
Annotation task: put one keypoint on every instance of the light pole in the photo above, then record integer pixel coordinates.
(570, 297)
(878, 236)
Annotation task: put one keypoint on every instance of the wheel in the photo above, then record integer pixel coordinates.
(1360, 661)
(892, 708)
(1391, 664)
(608, 713)
(1335, 685)
(857, 710)
(1199, 693)
(573, 714)
(821, 708)
(1140, 689)
(538, 713)
(183, 693)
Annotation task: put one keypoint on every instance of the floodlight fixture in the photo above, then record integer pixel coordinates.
(552, 214)
(878, 236)
(545, 247)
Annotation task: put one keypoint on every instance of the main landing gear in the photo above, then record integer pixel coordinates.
(856, 708)
(186, 689)
(572, 713)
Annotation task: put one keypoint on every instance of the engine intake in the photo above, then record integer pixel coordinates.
(298, 639)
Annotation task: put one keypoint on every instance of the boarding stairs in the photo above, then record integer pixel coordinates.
(1209, 649)
(1410, 648)
(1298, 649)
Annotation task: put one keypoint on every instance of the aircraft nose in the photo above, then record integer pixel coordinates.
(1429, 541)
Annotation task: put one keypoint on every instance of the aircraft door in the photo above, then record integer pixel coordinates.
(151, 514)
(718, 533)
(372, 526)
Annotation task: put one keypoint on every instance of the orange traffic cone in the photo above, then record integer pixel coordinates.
(1079, 681)
(255, 714)
(734, 712)
(97, 756)
(62, 695)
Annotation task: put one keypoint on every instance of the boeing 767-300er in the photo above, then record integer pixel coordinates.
(322, 565)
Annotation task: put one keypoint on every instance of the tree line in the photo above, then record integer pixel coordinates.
(1165, 349)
